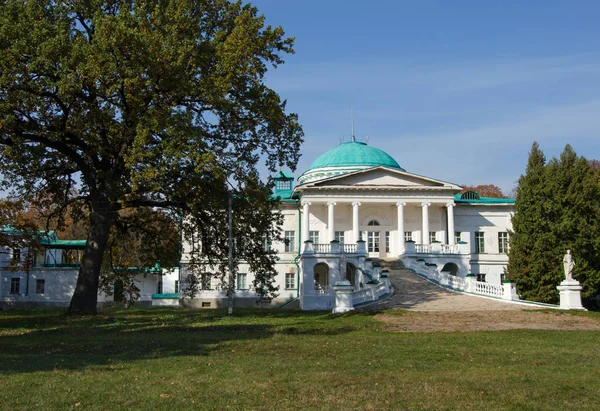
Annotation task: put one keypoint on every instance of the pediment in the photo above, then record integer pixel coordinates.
(382, 177)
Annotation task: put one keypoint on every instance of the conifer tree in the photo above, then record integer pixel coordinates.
(557, 208)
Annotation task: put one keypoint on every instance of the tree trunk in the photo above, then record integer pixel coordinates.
(85, 297)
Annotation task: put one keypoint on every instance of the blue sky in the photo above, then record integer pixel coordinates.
(454, 90)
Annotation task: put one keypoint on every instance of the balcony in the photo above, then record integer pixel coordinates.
(437, 248)
(334, 247)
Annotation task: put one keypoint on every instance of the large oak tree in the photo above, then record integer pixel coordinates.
(124, 105)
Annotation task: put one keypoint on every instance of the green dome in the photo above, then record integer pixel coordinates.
(345, 158)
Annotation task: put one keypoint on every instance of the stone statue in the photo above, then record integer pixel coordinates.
(568, 264)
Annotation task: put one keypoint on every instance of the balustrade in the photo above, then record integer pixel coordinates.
(350, 248)
(322, 248)
(423, 248)
(449, 249)
(322, 289)
(489, 289)
(361, 296)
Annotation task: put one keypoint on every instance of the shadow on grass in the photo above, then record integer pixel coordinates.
(45, 340)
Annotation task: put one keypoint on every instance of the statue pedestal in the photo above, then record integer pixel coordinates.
(570, 295)
(343, 296)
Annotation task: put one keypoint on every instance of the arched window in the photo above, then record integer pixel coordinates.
(373, 222)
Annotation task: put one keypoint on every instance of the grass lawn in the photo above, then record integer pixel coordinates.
(260, 359)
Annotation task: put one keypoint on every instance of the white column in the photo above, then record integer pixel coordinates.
(400, 235)
(355, 227)
(330, 220)
(425, 228)
(450, 207)
(306, 222)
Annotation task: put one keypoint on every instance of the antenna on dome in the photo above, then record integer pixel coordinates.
(353, 138)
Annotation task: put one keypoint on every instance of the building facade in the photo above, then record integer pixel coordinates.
(353, 206)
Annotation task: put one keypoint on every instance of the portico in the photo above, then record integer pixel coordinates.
(384, 224)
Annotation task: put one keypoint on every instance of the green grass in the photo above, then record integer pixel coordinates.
(259, 359)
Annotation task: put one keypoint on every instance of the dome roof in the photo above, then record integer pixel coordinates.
(346, 158)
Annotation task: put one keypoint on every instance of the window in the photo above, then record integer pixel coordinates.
(290, 241)
(15, 285)
(290, 281)
(457, 235)
(502, 278)
(408, 236)
(503, 243)
(241, 281)
(159, 288)
(432, 237)
(314, 237)
(373, 223)
(387, 241)
(479, 242)
(284, 184)
(481, 278)
(40, 286)
(176, 286)
(205, 281)
(340, 236)
(373, 241)
(16, 255)
(267, 243)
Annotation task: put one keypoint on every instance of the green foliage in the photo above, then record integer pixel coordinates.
(557, 208)
(117, 105)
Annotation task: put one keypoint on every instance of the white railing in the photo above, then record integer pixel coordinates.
(322, 248)
(350, 248)
(449, 249)
(380, 290)
(361, 296)
(489, 289)
(423, 248)
(322, 289)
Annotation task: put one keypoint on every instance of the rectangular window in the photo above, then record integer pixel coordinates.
(503, 242)
(205, 281)
(16, 255)
(457, 235)
(408, 236)
(432, 237)
(387, 241)
(290, 281)
(284, 184)
(481, 278)
(176, 286)
(340, 236)
(241, 281)
(267, 243)
(314, 237)
(40, 286)
(502, 277)
(159, 288)
(290, 241)
(15, 285)
(479, 242)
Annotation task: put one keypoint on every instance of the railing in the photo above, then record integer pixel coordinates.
(449, 249)
(361, 296)
(322, 248)
(380, 290)
(423, 248)
(322, 289)
(489, 289)
(350, 248)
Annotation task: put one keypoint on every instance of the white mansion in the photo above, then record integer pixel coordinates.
(354, 204)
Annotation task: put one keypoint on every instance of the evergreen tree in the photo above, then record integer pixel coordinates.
(557, 208)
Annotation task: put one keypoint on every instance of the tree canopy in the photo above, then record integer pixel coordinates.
(119, 106)
(557, 208)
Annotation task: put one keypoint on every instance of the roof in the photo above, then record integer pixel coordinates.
(347, 157)
(68, 244)
(483, 200)
(354, 153)
(283, 174)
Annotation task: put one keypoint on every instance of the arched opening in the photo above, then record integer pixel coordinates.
(351, 273)
(321, 271)
(373, 223)
(451, 268)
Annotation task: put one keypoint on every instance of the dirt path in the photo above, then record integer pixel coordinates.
(433, 309)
